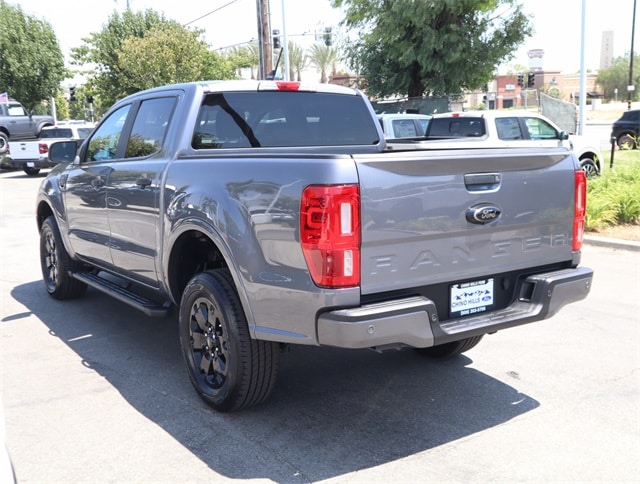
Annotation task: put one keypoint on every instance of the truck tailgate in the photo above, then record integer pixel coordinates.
(431, 217)
(24, 150)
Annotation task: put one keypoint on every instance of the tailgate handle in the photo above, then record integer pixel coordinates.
(481, 181)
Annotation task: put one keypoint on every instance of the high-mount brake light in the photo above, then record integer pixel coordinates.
(330, 234)
(288, 85)
(580, 209)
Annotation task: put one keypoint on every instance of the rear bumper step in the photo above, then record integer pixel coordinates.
(414, 321)
(147, 306)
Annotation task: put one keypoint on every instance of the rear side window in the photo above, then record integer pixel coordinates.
(150, 127)
(460, 127)
(508, 128)
(283, 119)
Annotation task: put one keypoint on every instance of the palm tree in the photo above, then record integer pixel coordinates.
(323, 57)
(298, 61)
(245, 57)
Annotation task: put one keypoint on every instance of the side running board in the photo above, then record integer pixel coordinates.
(141, 303)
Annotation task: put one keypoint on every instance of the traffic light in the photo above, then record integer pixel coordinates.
(327, 37)
(521, 80)
(72, 93)
(276, 39)
(531, 79)
(90, 99)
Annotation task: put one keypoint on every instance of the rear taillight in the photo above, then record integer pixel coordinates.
(43, 148)
(330, 234)
(579, 209)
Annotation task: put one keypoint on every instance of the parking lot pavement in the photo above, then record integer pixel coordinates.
(94, 391)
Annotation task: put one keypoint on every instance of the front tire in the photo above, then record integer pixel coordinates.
(589, 167)
(448, 350)
(228, 369)
(56, 264)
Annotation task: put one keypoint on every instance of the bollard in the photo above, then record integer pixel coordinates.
(613, 150)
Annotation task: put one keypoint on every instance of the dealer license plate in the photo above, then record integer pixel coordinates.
(470, 298)
(31, 164)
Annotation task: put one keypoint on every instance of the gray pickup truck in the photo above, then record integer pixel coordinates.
(271, 214)
(18, 124)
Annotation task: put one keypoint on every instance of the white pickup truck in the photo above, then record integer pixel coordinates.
(31, 156)
(510, 129)
(504, 129)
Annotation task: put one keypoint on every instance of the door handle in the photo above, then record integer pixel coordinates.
(143, 182)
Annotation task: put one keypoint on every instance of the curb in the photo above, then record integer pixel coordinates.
(612, 243)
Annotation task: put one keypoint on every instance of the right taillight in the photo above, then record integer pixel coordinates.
(43, 148)
(579, 209)
(330, 234)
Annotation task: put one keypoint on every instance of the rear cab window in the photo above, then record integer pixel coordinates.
(282, 119)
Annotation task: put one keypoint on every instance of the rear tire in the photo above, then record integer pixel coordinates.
(31, 171)
(56, 264)
(448, 350)
(4, 143)
(626, 142)
(228, 368)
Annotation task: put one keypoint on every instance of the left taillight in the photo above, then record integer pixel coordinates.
(330, 234)
(579, 209)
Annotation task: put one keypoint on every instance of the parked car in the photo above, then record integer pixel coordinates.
(626, 129)
(31, 156)
(508, 128)
(403, 125)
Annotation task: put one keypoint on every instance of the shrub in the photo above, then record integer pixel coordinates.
(614, 198)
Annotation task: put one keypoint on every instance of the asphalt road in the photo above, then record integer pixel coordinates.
(94, 391)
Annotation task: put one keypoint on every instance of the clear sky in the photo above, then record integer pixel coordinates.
(557, 23)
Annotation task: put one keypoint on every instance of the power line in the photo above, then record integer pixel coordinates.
(213, 11)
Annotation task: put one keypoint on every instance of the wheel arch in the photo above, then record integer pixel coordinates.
(196, 249)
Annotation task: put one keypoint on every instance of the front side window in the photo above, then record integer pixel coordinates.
(104, 142)
(540, 129)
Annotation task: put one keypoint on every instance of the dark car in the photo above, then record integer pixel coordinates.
(626, 129)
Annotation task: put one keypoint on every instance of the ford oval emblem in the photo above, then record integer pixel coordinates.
(483, 213)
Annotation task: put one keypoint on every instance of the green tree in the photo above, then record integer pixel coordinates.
(435, 47)
(245, 57)
(324, 58)
(102, 50)
(168, 54)
(617, 77)
(31, 62)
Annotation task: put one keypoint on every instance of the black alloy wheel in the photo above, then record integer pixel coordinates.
(228, 369)
(56, 264)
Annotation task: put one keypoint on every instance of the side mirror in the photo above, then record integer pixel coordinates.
(63, 151)
(564, 135)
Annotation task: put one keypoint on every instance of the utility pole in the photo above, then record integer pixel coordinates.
(264, 39)
(630, 86)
